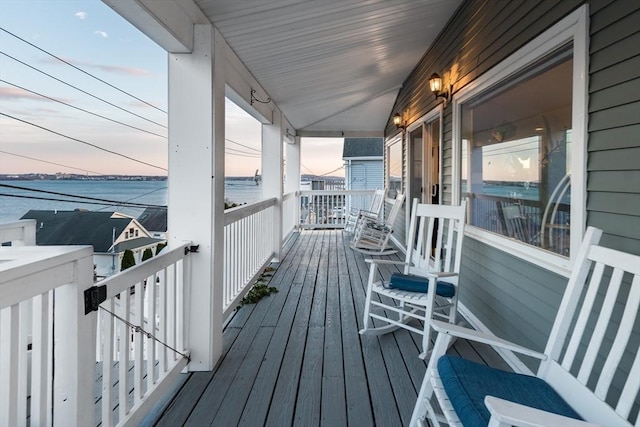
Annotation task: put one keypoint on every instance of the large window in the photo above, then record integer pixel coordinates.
(521, 131)
(516, 145)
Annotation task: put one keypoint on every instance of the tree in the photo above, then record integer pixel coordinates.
(148, 253)
(128, 260)
(160, 247)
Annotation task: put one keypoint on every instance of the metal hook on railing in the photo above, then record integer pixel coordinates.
(191, 249)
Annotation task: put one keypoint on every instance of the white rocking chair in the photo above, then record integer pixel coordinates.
(377, 202)
(434, 248)
(371, 235)
(593, 328)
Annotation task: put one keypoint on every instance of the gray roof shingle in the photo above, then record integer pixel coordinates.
(77, 228)
(362, 147)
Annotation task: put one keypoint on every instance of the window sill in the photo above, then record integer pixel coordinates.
(544, 259)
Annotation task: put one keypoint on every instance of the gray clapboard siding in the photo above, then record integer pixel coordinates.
(514, 298)
(612, 139)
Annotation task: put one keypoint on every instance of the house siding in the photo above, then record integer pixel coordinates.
(514, 298)
(365, 175)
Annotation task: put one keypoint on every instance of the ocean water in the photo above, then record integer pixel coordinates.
(16, 202)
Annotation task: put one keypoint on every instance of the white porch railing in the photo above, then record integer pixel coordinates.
(248, 248)
(48, 340)
(44, 331)
(142, 343)
(329, 208)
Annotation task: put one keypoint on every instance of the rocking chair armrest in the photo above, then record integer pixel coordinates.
(385, 261)
(368, 214)
(438, 274)
(492, 340)
(510, 413)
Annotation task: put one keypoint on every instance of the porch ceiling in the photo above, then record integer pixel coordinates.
(331, 66)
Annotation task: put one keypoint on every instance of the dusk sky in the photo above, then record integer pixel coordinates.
(89, 35)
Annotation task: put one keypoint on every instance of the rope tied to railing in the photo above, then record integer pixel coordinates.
(140, 329)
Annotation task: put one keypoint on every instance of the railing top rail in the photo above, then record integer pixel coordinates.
(53, 264)
(235, 214)
(288, 196)
(335, 192)
(124, 279)
(19, 223)
(18, 230)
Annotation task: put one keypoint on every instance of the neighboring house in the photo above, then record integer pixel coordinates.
(110, 234)
(363, 163)
(363, 167)
(154, 220)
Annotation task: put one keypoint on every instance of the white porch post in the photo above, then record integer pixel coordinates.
(272, 176)
(74, 350)
(196, 187)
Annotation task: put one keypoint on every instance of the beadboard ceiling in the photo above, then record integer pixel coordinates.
(331, 66)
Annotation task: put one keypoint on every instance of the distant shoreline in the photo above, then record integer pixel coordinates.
(76, 177)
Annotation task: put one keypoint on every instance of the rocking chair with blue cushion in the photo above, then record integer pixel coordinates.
(589, 371)
(434, 248)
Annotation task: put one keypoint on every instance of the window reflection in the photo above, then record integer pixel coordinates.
(516, 144)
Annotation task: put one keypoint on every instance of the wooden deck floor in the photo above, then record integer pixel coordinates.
(296, 358)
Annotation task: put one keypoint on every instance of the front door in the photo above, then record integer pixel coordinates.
(417, 170)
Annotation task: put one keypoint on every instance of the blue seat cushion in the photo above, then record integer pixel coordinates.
(408, 282)
(468, 383)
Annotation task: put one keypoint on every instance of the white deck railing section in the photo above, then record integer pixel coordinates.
(329, 208)
(248, 247)
(138, 365)
(48, 344)
(35, 339)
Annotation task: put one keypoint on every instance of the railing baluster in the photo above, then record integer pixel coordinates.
(151, 325)
(138, 344)
(8, 361)
(108, 359)
(123, 355)
(162, 312)
(25, 309)
(40, 354)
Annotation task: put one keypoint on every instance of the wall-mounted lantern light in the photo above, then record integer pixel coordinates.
(397, 120)
(436, 85)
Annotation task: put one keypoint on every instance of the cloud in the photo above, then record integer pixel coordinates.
(102, 34)
(80, 15)
(116, 69)
(16, 93)
(131, 71)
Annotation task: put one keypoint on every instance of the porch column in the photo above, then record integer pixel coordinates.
(196, 188)
(272, 175)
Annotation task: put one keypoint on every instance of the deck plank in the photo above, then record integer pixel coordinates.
(296, 357)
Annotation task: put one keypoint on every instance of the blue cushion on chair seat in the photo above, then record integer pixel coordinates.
(407, 282)
(468, 383)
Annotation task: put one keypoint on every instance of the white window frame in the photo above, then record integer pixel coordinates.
(572, 28)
